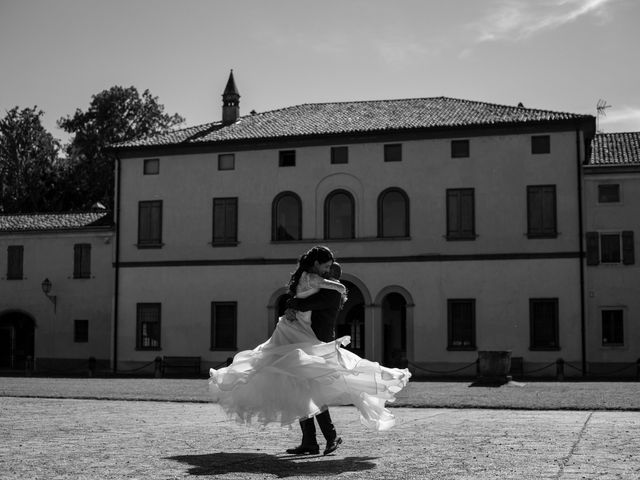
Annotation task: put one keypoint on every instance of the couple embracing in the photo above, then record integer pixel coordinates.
(301, 369)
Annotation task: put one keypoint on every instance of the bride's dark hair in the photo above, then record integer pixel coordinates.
(320, 254)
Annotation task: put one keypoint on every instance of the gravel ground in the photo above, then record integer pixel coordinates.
(166, 429)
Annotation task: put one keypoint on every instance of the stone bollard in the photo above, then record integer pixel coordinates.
(92, 367)
(560, 370)
(158, 367)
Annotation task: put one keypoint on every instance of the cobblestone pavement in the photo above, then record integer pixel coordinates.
(63, 438)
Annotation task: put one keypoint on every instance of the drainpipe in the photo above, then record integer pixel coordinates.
(117, 268)
(583, 339)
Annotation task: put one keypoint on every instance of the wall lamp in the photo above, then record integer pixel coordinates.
(46, 288)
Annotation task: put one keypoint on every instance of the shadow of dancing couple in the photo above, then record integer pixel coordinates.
(301, 369)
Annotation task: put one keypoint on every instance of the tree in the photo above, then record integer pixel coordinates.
(29, 164)
(114, 115)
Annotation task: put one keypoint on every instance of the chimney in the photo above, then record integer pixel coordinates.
(230, 102)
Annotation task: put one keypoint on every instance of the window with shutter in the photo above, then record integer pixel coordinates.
(541, 211)
(460, 214)
(148, 326)
(628, 249)
(461, 322)
(593, 248)
(223, 325)
(543, 324)
(150, 224)
(225, 221)
(82, 260)
(15, 259)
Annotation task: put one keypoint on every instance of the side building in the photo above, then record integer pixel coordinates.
(56, 291)
(612, 195)
(457, 224)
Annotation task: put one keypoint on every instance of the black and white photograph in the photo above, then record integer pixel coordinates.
(346, 239)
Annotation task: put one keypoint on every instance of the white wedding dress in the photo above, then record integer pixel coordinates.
(293, 376)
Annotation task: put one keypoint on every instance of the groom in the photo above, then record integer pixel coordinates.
(324, 307)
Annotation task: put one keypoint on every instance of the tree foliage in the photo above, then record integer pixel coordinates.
(30, 171)
(115, 115)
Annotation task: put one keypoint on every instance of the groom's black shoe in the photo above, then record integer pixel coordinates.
(332, 446)
(304, 449)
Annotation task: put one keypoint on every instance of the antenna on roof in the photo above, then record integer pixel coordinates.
(601, 112)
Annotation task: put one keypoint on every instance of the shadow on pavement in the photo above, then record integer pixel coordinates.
(282, 466)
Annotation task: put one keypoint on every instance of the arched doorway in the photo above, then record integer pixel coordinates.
(16, 340)
(394, 324)
(351, 319)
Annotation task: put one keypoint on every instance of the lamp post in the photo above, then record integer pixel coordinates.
(46, 288)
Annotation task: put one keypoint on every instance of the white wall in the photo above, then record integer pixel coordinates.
(50, 255)
(499, 169)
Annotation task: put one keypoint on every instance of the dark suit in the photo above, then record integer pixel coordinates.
(324, 307)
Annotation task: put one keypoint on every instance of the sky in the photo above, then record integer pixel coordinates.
(562, 55)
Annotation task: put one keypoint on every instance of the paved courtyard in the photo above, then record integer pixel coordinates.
(71, 438)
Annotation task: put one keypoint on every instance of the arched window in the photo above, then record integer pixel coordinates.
(393, 213)
(286, 217)
(339, 215)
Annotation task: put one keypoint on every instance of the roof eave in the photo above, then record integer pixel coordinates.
(586, 122)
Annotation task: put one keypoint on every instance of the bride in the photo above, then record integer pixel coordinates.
(293, 375)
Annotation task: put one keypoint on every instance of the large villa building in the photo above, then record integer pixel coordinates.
(461, 226)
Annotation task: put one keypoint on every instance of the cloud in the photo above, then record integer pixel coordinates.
(624, 119)
(520, 19)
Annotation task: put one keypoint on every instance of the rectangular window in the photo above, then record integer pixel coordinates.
(459, 148)
(461, 319)
(150, 224)
(287, 158)
(609, 193)
(227, 161)
(393, 153)
(612, 328)
(225, 221)
(152, 166)
(148, 326)
(223, 325)
(460, 214)
(339, 155)
(541, 211)
(610, 248)
(81, 331)
(540, 144)
(543, 324)
(15, 258)
(82, 260)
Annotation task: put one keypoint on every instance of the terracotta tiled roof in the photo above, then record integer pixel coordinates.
(357, 117)
(615, 149)
(54, 221)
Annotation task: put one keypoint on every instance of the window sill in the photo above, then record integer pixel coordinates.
(534, 236)
(456, 238)
(224, 244)
(148, 349)
(15, 278)
(144, 246)
(461, 349)
(84, 277)
(544, 349)
(228, 350)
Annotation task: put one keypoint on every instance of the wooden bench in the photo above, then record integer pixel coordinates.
(189, 365)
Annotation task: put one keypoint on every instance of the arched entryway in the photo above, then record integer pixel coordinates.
(351, 319)
(16, 340)
(394, 326)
